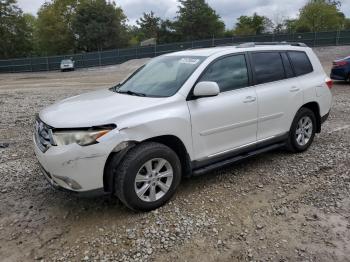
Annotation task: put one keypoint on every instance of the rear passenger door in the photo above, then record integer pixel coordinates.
(279, 94)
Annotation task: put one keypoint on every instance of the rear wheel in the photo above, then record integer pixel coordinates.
(302, 132)
(148, 176)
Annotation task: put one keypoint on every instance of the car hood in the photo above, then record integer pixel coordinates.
(95, 108)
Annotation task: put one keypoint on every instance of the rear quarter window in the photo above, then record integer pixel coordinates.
(300, 62)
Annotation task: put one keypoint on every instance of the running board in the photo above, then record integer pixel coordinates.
(227, 162)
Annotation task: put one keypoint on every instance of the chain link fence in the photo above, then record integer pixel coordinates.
(117, 56)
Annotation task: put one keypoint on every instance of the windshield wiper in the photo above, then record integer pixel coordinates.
(115, 88)
(132, 93)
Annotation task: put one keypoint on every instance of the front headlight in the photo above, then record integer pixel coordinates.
(81, 137)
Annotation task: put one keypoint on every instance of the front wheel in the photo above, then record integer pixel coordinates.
(302, 131)
(148, 176)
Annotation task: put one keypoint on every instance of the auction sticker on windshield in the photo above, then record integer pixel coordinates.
(188, 60)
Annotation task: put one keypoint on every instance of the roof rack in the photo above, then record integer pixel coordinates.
(253, 44)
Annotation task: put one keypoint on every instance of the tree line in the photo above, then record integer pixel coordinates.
(71, 26)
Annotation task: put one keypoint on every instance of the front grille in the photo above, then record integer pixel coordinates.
(43, 135)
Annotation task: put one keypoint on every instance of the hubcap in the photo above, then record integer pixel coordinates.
(154, 179)
(304, 131)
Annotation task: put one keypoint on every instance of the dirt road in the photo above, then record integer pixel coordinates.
(274, 207)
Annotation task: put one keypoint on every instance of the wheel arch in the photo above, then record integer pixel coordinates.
(315, 108)
(170, 141)
(179, 148)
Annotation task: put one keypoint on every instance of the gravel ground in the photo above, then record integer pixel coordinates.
(274, 207)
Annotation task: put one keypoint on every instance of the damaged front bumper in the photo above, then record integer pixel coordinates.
(85, 194)
(74, 168)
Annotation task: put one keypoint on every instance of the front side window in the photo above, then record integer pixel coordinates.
(301, 63)
(268, 67)
(229, 73)
(162, 77)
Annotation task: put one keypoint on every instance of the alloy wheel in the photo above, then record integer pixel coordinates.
(304, 131)
(154, 179)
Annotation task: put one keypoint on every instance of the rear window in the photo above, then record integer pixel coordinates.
(268, 67)
(300, 62)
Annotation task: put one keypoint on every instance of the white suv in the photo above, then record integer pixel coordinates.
(183, 114)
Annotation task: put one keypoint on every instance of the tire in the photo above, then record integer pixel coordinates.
(300, 136)
(153, 189)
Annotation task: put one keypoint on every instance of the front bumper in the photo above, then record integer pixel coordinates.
(74, 168)
(84, 194)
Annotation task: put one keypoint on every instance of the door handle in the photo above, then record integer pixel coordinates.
(249, 99)
(294, 89)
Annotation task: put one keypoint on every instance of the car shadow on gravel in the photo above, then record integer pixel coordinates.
(92, 207)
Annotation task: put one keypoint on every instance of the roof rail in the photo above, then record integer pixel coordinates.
(253, 44)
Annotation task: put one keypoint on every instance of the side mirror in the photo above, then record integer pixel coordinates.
(206, 89)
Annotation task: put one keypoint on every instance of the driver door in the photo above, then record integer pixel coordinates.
(227, 122)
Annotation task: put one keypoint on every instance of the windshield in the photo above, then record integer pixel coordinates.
(162, 77)
(66, 61)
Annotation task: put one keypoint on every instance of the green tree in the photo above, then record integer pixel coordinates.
(167, 32)
(279, 28)
(99, 25)
(290, 25)
(229, 33)
(133, 34)
(149, 26)
(16, 34)
(197, 20)
(54, 27)
(320, 15)
(253, 25)
(347, 24)
(31, 23)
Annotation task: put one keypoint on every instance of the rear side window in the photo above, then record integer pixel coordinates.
(268, 67)
(300, 62)
(229, 73)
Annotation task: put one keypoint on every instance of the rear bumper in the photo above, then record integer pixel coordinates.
(66, 67)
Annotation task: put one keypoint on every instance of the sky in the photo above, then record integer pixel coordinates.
(229, 10)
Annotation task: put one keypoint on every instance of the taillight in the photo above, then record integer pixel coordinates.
(329, 83)
(340, 63)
